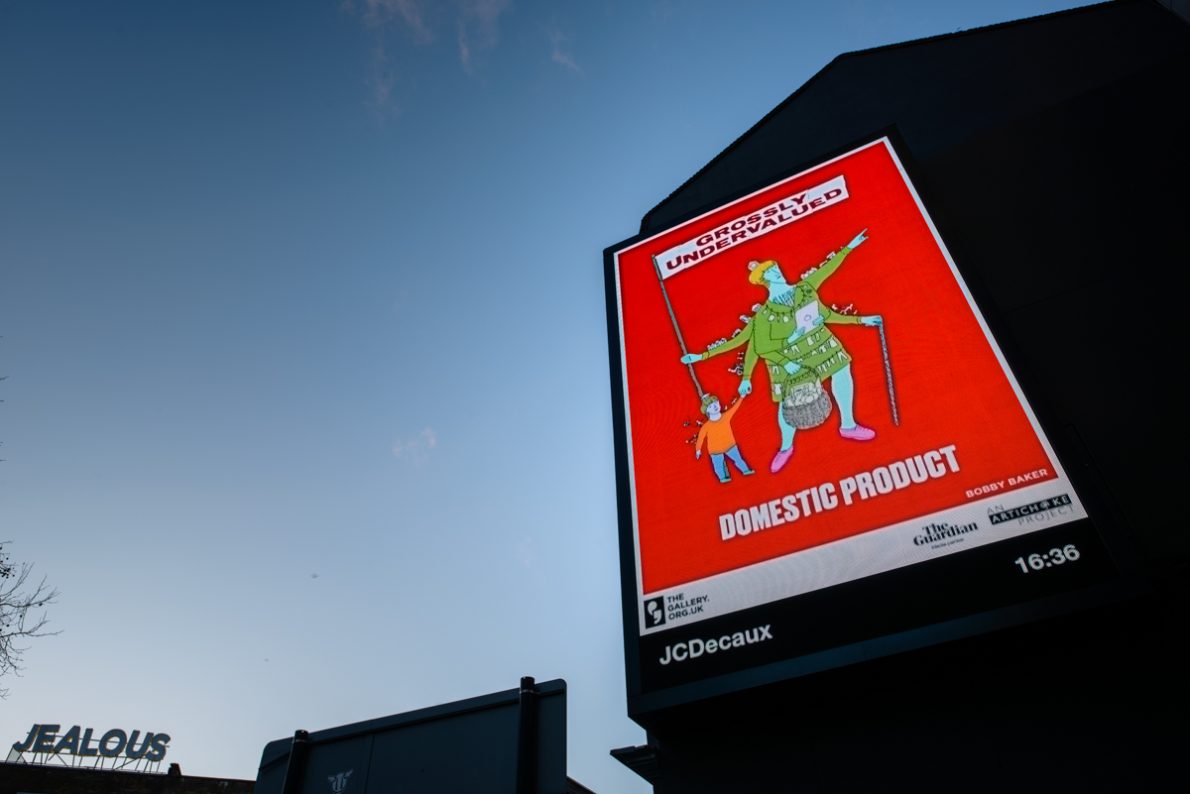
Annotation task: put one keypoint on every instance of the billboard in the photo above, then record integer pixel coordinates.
(820, 442)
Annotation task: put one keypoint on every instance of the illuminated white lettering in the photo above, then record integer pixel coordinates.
(692, 649)
(789, 503)
(933, 463)
(951, 461)
(776, 515)
(743, 522)
(899, 474)
(726, 527)
(760, 517)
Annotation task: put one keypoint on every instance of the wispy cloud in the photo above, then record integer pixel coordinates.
(558, 53)
(478, 23)
(416, 447)
(383, 77)
(379, 18)
(381, 12)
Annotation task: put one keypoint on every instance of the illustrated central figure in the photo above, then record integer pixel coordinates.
(789, 331)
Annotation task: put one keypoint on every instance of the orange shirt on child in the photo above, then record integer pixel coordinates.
(717, 432)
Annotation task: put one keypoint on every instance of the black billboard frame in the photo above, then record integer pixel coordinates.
(1106, 523)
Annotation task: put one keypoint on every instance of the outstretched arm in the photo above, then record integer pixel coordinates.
(739, 339)
(835, 318)
(727, 414)
(827, 270)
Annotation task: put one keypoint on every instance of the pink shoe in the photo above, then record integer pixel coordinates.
(858, 433)
(781, 459)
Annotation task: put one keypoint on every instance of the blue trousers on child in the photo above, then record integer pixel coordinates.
(720, 465)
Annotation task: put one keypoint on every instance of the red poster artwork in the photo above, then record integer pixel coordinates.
(840, 378)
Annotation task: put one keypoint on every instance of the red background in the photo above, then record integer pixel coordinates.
(950, 387)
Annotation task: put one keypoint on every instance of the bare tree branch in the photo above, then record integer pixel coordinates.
(22, 613)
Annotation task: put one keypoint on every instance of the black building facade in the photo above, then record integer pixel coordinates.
(1051, 152)
(16, 778)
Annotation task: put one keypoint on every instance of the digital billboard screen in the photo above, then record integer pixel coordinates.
(820, 442)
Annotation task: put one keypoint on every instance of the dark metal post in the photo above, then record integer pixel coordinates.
(526, 749)
(295, 770)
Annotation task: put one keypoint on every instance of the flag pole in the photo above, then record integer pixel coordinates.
(677, 331)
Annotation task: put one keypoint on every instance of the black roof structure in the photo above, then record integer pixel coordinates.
(944, 90)
(1051, 153)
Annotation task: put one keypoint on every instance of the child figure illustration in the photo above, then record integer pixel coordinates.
(720, 441)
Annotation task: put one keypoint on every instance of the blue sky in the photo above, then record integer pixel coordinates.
(301, 304)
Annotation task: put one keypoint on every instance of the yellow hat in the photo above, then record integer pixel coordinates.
(756, 274)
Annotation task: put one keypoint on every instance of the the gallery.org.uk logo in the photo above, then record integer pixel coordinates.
(655, 612)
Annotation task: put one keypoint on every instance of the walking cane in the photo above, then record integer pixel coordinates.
(892, 394)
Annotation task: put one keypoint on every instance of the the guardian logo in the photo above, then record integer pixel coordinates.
(681, 651)
(934, 534)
